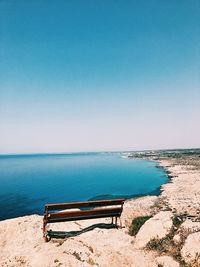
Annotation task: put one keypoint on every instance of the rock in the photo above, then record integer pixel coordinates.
(177, 239)
(156, 227)
(190, 225)
(167, 261)
(142, 206)
(191, 249)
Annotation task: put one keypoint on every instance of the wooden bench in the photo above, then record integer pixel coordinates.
(88, 210)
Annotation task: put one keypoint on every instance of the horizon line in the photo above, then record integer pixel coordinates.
(93, 152)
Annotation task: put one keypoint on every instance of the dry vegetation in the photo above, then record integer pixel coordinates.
(137, 224)
(167, 245)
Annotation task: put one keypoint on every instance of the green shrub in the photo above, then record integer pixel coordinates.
(177, 220)
(137, 224)
(162, 245)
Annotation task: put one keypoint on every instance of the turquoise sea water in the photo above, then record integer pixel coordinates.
(27, 182)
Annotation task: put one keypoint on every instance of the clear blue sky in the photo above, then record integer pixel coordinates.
(99, 75)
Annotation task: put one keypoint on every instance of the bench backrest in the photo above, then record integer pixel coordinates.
(87, 204)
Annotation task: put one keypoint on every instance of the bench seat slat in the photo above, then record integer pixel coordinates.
(84, 218)
(88, 204)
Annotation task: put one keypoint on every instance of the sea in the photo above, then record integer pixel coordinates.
(28, 182)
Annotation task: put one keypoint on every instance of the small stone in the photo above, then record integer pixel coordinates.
(177, 239)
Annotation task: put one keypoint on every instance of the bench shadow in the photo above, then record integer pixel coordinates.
(63, 234)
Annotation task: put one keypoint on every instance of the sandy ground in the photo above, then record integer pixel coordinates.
(21, 242)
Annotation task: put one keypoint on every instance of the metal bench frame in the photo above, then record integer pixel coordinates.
(88, 210)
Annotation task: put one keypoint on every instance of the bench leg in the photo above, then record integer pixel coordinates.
(44, 227)
(44, 231)
(112, 221)
(120, 222)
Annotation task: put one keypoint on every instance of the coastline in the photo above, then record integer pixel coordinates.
(21, 242)
(182, 192)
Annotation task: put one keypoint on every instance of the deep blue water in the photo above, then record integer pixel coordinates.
(27, 182)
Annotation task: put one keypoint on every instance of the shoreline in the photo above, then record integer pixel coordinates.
(183, 189)
(180, 177)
